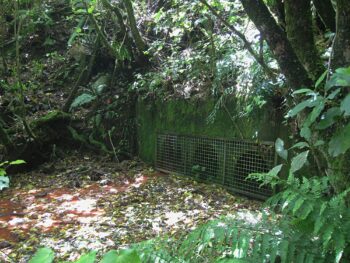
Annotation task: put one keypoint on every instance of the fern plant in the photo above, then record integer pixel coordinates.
(46, 255)
(317, 207)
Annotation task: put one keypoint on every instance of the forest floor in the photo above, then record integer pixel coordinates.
(83, 203)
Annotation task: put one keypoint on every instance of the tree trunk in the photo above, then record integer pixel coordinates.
(301, 37)
(339, 171)
(140, 44)
(277, 7)
(341, 47)
(326, 12)
(277, 40)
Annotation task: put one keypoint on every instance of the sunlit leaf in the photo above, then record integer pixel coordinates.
(279, 146)
(87, 258)
(122, 256)
(43, 255)
(17, 162)
(298, 161)
(301, 106)
(301, 91)
(83, 99)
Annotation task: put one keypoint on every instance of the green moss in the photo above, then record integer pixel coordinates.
(51, 126)
(189, 117)
(50, 118)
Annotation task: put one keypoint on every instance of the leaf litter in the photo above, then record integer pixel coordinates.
(79, 204)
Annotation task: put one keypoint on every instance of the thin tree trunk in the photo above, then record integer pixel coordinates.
(123, 29)
(83, 78)
(326, 12)
(301, 37)
(277, 40)
(140, 44)
(259, 59)
(341, 47)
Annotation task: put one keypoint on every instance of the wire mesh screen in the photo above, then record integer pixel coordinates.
(223, 161)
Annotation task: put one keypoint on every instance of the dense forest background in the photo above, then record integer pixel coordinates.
(72, 72)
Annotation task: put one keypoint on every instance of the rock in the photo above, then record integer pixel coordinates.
(41, 194)
(105, 182)
(5, 244)
(96, 176)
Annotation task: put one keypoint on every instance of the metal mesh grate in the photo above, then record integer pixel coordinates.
(223, 161)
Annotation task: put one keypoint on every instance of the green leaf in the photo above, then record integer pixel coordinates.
(91, 9)
(305, 132)
(300, 91)
(333, 94)
(300, 201)
(319, 223)
(298, 161)
(4, 182)
(82, 100)
(279, 145)
(2, 172)
(300, 145)
(275, 170)
(43, 255)
(327, 235)
(341, 78)
(87, 258)
(301, 106)
(300, 257)
(345, 105)
(284, 250)
(319, 143)
(123, 256)
(328, 119)
(314, 114)
(340, 142)
(321, 79)
(17, 162)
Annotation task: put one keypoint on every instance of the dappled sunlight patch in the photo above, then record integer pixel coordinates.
(249, 216)
(174, 217)
(113, 215)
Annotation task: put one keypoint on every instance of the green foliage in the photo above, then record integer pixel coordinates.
(5, 180)
(308, 205)
(43, 255)
(83, 99)
(329, 109)
(46, 255)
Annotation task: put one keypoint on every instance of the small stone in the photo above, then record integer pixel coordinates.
(33, 216)
(5, 244)
(41, 194)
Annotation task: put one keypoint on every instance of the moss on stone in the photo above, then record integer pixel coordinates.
(189, 117)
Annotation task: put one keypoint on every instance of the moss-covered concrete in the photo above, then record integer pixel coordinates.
(189, 117)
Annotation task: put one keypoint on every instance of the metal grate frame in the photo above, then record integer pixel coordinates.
(223, 161)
